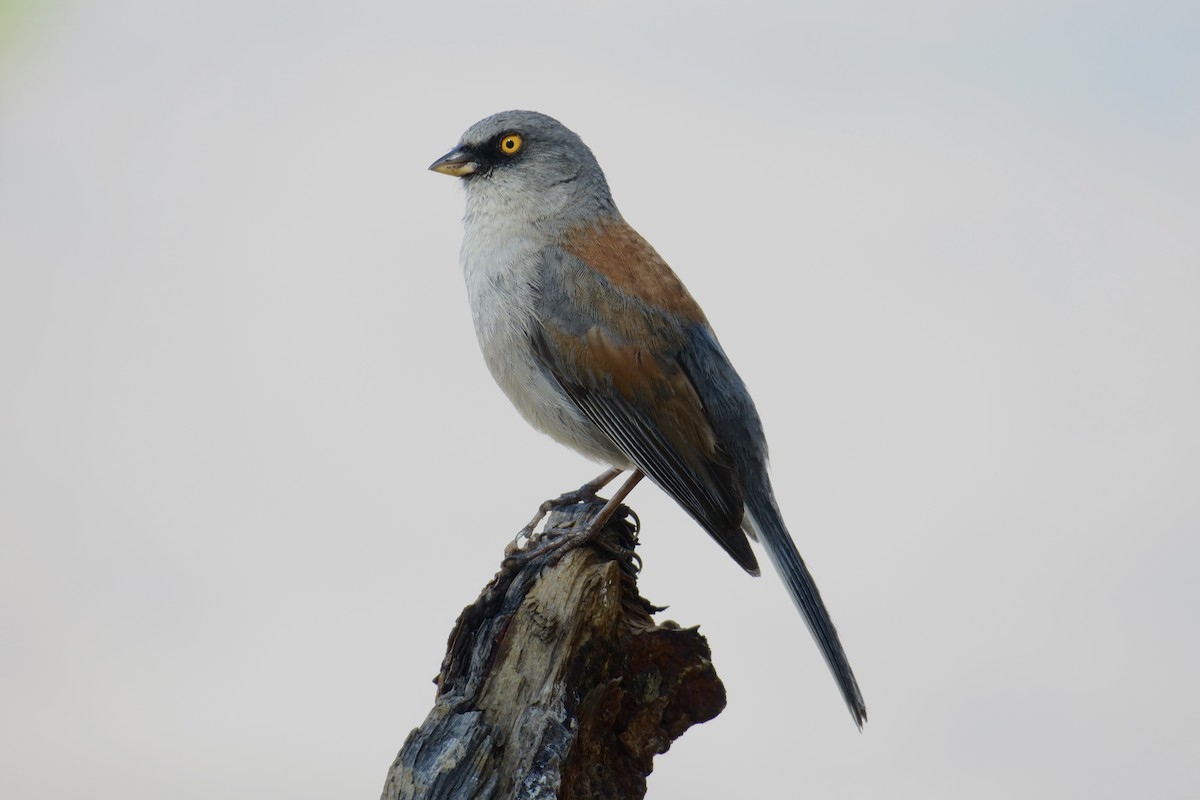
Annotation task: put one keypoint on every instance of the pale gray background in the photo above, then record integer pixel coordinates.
(252, 466)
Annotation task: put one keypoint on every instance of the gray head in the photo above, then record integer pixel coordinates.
(522, 163)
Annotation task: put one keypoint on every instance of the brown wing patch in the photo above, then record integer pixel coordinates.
(644, 380)
(620, 254)
(661, 389)
(647, 405)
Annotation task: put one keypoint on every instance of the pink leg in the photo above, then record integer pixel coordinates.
(580, 495)
(564, 545)
(601, 519)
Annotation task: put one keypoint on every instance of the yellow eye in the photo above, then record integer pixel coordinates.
(510, 143)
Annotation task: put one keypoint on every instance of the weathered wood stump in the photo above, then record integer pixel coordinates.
(557, 683)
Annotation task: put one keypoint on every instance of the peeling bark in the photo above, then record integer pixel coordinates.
(557, 683)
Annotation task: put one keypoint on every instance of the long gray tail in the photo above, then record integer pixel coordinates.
(767, 523)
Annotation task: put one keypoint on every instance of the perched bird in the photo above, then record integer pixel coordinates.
(598, 344)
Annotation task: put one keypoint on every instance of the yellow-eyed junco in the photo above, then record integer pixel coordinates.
(598, 344)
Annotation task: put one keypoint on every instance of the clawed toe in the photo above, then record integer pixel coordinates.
(584, 494)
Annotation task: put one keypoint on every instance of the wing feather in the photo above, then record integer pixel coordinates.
(639, 395)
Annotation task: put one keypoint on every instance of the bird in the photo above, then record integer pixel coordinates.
(597, 343)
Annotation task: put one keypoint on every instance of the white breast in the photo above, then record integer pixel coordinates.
(500, 264)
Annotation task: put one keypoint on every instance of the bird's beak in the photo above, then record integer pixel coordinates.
(459, 162)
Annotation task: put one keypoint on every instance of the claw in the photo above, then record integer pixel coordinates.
(560, 545)
(583, 494)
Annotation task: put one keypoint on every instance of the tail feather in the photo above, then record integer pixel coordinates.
(766, 524)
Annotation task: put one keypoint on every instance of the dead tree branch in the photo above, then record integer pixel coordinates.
(557, 683)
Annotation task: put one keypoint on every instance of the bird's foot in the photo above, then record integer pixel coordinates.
(584, 494)
(587, 523)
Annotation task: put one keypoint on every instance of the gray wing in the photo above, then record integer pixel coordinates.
(628, 377)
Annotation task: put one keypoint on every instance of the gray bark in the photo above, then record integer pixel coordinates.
(557, 683)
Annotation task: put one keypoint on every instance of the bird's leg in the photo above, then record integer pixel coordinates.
(592, 531)
(605, 514)
(581, 495)
(569, 541)
(560, 547)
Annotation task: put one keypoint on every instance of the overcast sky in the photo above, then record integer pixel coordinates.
(252, 465)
